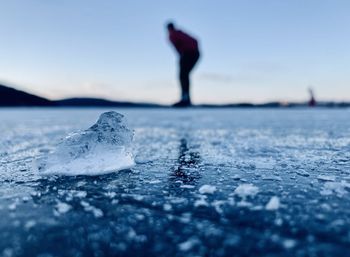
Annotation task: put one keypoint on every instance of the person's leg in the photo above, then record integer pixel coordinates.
(184, 78)
(188, 62)
(193, 60)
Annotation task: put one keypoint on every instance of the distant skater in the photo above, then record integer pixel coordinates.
(312, 101)
(187, 48)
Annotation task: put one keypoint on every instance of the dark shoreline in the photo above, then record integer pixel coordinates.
(10, 97)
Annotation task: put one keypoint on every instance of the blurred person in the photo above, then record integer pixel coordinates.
(187, 48)
(312, 101)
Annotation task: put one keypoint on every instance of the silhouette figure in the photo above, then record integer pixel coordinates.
(312, 101)
(187, 48)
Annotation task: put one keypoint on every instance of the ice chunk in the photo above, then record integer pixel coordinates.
(217, 205)
(289, 243)
(271, 178)
(63, 207)
(101, 149)
(236, 177)
(187, 186)
(155, 181)
(189, 244)
(207, 189)
(201, 202)
(326, 178)
(98, 213)
(167, 207)
(303, 173)
(273, 204)
(29, 224)
(245, 190)
(12, 207)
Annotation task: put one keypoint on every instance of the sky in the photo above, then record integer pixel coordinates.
(251, 50)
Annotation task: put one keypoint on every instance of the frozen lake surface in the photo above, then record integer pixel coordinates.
(224, 182)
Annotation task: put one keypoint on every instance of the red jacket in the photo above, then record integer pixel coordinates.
(183, 42)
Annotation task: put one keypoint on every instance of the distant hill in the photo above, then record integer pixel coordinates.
(12, 97)
(244, 105)
(97, 102)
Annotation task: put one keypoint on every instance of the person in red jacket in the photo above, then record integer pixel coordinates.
(187, 48)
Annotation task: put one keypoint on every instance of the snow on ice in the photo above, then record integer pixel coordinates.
(273, 204)
(207, 189)
(246, 190)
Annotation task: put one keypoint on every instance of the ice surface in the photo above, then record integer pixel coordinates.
(157, 209)
(101, 149)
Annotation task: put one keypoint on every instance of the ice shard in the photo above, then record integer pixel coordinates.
(103, 148)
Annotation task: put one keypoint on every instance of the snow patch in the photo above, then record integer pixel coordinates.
(217, 205)
(201, 202)
(167, 207)
(62, 207)
(326, 178)
(187, 186)
(29, 224)
(244, 204)
(246, 190)
(207, 189)
(156, 181)
(188, 245)
(12, 206)
(273, 204)
(339, 188)
(98, 213)
(289, 243)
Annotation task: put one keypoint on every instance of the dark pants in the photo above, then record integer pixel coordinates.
(187, 62)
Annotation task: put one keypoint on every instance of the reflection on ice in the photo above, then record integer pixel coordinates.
(101, 149)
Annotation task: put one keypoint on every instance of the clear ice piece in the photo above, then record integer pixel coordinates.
(103, 148)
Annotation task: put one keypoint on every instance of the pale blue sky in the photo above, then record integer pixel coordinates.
(253, 50)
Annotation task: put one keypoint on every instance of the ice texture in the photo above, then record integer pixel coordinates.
(157, 209)
(102, 148)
